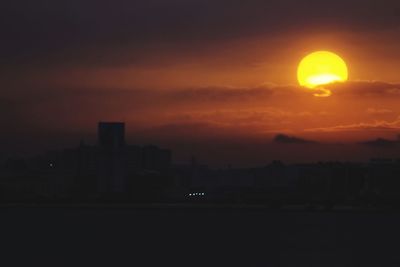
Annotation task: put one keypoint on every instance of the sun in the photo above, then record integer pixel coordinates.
(320, 68)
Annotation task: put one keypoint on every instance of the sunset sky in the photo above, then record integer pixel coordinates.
(211, 78)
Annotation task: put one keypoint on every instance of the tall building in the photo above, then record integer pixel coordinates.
(111, 157)
(122, 168)
(111, 135)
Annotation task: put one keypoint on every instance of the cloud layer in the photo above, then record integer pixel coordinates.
(217, 118)
(285, 139)
(88, 32)
(264, 108)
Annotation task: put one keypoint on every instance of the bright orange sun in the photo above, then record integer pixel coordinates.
(320, 68)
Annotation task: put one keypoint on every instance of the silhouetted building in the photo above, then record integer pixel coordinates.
(155, 158)
(111, 157)
(86, 177)
(126, 168)
(111, 135)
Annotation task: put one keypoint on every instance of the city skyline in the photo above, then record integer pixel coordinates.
(223, 149)
(200, 132)
(114, 171)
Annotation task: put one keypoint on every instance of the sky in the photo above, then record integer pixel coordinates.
(215, 79)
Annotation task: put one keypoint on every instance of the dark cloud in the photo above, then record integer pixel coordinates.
(144, 98)
(223, 94)
(88, 30)
(263, 104)
(381, 142)
(254, 113)
(361, 89)
(365, 89)
(285, 139)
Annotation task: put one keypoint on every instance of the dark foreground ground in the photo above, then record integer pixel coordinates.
(189, 236)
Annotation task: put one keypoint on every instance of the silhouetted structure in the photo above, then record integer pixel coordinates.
(111, 135)
(111, 158)
(109, 169)
(113, 170)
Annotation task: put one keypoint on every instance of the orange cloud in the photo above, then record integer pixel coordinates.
(371, 126)
(377, 111)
